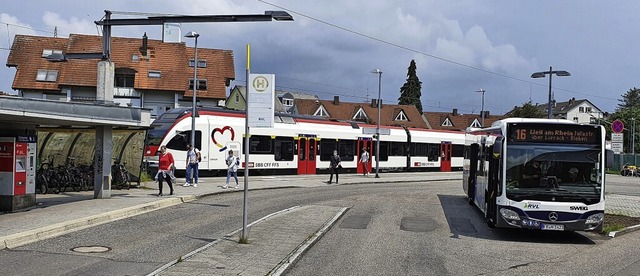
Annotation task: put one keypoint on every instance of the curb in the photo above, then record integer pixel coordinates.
(294, 256)
(623, 231)
(20, 239)
(227, 236)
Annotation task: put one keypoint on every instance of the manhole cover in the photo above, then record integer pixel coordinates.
(90, 249)
(415, 224)
(356, 222)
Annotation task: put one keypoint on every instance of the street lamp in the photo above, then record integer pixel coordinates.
(550, 73)
(482, 111)
(377, 71)
(195, 35)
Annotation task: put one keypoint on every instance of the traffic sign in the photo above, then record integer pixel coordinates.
(617, 126)
(617, 137)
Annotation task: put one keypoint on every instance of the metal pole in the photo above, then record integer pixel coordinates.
(378, 128)
(195, 84)
(633, 139)
(245, 202)
(549, 113)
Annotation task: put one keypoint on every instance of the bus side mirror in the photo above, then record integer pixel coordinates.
(608, 159)
(497, 148)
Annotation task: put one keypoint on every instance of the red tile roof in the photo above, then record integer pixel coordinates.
(347, 110)
(459, 121)
(171, 59)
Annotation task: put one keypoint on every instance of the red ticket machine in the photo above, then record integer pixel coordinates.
(17, 172)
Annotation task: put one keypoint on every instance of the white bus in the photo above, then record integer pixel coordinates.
(546, 174)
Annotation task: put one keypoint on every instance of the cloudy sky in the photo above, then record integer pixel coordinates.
(331, 47)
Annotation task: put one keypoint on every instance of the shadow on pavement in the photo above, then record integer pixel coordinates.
(466, 220)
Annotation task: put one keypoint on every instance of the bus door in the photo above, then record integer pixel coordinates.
(306, 149)
(445, 156)
(364, 143)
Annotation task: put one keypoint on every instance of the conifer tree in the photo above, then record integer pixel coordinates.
(410, 92)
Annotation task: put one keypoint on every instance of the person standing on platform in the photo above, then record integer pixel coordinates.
(165, 169)
(193, 158)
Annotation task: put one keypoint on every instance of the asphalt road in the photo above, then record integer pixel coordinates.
(622, 185)
(392, 229)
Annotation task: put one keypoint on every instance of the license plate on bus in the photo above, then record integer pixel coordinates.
(555, 227)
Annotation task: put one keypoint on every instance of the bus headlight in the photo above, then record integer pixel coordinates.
(595, 218)
(509, 214)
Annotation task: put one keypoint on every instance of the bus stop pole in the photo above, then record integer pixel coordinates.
(243, 237)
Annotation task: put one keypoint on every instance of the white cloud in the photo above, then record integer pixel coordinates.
(71, 25)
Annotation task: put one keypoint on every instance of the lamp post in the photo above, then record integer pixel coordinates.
(377, 71)
(194, 35)
(482, 111)
(550, 73)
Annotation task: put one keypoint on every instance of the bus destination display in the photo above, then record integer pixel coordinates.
(536, 133)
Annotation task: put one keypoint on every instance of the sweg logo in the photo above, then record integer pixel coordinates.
(531, 206)
(579, 208)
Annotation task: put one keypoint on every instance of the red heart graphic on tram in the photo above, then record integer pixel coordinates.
(222, 131)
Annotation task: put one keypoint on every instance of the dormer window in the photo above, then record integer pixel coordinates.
(401, 116)
(201, 63)
(321, 112)
(447, 123)
(202, 84)
(360, 115)
(47, 75)
(48, 52)
(287, 102)
(475, 123)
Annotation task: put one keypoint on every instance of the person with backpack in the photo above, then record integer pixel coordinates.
(232, 168)
(193, 159)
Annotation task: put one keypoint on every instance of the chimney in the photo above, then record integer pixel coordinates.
(486, 113)
(455, 112)
(143, 49)
(336, 100)
(374, 103)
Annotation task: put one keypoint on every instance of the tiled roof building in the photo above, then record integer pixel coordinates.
(390, 115)
(164, 76)
(456, 121)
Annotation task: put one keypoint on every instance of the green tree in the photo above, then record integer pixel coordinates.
(527, 110)
(410, 92)
(631, 99)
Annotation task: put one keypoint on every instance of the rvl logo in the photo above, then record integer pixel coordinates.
(531, 206)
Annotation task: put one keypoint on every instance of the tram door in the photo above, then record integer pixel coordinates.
(445, 156)
(306, 154)
(362, 144)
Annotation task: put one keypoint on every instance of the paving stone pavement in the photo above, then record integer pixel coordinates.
(274, 244)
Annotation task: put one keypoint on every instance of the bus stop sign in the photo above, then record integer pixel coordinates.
(617, 126)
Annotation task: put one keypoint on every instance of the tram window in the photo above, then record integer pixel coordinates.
(384, 151)
(434, 152)
(326, 149)
(283, 149)
(182, 139)
(347, 149)
(419, 149)
(260, 144)
(398, 149)
(457, 151)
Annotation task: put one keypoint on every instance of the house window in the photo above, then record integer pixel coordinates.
(154, 74)
(587, 109)
(237, 98)
(47, 75)
(287, 102)
(360, 115)
(48, 52)
(201, 63)
(475, 123)
(401, 117)
(447, 123)
(202, 84)
(575, 119)
(581, 109)
(124, 77)
(321, 112)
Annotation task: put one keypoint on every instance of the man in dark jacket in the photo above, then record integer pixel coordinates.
(334, 166)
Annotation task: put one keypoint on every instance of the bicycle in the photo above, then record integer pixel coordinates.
(120, 174)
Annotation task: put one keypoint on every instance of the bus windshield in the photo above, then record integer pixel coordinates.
(553, 172)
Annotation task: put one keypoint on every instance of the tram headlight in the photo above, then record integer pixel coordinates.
(595, 218)
(509, 214)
